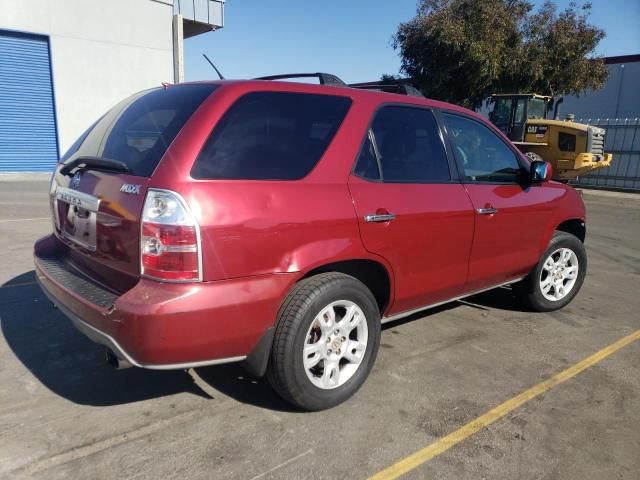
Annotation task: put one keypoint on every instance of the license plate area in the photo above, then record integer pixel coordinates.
(76, 218)
(80, 227)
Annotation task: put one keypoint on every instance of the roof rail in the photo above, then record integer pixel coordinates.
(324, 78)
(401, 88)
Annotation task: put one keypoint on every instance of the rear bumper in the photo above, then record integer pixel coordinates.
(163, 325)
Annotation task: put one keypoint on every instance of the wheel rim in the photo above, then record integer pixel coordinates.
(335, 344)
(559, 274)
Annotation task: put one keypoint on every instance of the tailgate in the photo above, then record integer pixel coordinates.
(98, 192)
(97, 215)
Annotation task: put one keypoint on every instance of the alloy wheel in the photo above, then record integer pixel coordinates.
(559, 274)
(335, 344)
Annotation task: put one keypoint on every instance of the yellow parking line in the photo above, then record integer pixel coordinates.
(421, 456)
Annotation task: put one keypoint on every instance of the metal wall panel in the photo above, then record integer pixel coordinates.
(28, 140)
(623, 141)
(618, 98)
(209, 12)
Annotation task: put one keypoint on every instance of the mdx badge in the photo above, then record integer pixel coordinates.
(130, 188)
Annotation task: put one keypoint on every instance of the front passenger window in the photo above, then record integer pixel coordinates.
(483, 156)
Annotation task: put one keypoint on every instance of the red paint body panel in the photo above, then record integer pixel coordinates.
(116, 261)
(173, 323)
(259, 237)
(429, 242)
(507, 244)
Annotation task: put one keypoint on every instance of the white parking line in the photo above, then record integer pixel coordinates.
(7, 220)
(286, 462)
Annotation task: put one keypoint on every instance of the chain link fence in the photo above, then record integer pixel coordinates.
(623, 141)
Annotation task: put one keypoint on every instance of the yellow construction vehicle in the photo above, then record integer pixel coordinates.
(572, 149)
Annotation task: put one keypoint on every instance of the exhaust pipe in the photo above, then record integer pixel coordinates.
(556, 110)
(115, 361)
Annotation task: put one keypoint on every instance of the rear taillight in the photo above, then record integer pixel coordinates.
(169, 239)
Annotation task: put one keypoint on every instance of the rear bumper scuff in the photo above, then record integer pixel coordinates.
(103, 339)
(168, 326)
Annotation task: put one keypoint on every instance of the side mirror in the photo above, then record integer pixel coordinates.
(540, 171)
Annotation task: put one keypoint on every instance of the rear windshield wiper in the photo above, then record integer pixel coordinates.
(93, 163)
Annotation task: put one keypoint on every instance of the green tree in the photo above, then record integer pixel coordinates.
(462, 51)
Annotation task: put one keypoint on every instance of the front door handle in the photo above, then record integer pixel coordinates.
(379, 218)
(487, 211)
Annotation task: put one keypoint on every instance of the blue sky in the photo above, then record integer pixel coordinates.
(350, 38)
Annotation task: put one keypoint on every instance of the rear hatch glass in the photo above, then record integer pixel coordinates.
(97, 209)
(139, 130)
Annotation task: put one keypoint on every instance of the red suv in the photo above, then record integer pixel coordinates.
(280, 224)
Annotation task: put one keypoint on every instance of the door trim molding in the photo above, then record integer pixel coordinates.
(407, 313)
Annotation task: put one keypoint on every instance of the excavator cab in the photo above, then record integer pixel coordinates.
(511, 112)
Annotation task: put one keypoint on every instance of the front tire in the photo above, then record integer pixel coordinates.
(326, 341)
(558, 276)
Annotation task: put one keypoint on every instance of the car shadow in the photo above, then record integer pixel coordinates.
(72, 366)
(68, 363)
(501, 298)
(235, 382)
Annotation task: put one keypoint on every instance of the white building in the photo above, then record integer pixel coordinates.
(63, 63)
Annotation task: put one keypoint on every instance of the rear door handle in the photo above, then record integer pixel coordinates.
(379, 218)
(487, 211)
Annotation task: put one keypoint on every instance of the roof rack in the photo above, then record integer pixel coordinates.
(324, 78)
(401, 88)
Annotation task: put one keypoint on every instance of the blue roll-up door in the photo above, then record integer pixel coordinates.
(28, 141)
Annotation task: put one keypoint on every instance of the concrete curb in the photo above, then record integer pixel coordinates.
(25, 177)
(608, 193)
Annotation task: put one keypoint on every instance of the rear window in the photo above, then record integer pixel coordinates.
(271, 136)
(139, 130)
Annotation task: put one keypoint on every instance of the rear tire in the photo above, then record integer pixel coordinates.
(326, 341)
(558, 276)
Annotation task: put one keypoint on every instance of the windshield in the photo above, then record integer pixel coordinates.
(139, 130)
(537, 108)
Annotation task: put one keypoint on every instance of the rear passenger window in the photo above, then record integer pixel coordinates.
(408, 148)
(271, 136)
(367, 164)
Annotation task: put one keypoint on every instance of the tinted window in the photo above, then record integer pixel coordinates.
(139, 130)
(76, 145)
(483, 156)
(367, 164)
(271, 136)
(501, 114)
(408, 146)
(537, 108)
(566, 142)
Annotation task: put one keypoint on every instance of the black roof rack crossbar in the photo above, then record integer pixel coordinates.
(324, 78)
(401, 88)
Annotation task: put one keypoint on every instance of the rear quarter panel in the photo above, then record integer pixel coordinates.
(262, 227)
